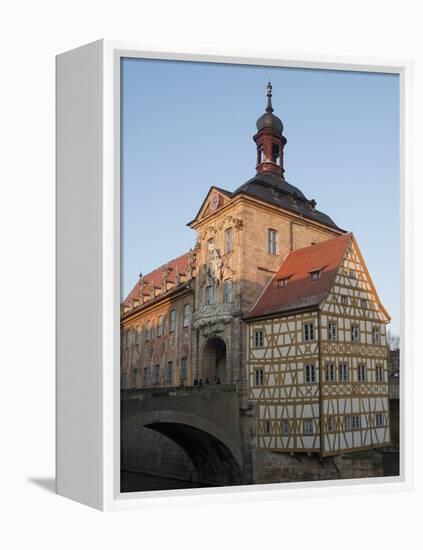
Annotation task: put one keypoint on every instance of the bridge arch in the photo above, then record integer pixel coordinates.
(216, 460)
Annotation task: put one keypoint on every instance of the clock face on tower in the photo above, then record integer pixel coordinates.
(214, 201)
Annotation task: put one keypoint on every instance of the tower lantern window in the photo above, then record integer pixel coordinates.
(276, 155)
(260, 155)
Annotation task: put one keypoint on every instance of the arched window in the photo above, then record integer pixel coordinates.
(276, 154)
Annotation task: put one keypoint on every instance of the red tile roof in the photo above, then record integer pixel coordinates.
(300, 290)
(155, 278)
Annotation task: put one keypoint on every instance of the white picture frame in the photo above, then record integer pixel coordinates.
(88, 277)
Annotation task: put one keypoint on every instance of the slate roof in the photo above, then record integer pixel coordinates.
(300, 290)
(155, 278)
(276, 190)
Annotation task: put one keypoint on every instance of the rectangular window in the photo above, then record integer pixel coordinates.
(134, 376)
(285, 427)
(172, 320)
(145, 376)
(157, 374)
(361, 373)
(308, 426)
(332, 333)
(355, 333)
(169, 372)
(227, 291)
(330, 372)
(258, 339)
(186, 315)
(309, 374)
(148, 331)
(271, 241)
(376, 335)
(347, 422)
(258, 377)
(308, 331)
(267, 427)
(208, 295)
(184, 368)
(344, 300)
(228, 240)
(356, 422)
(352, 274)
(343, 372)
(331, 424)
(210, 246)
(380, 420)
(160, 326)
(379, 373)
(363, 303)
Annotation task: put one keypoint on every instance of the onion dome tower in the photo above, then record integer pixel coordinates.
(269, 140)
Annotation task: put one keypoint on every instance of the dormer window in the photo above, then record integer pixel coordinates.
(282, 283)
(314, 275)
(276, 154)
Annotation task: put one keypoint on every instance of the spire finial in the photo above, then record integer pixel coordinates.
(269, 108)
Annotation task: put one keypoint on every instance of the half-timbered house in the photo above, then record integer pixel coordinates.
(317, 354)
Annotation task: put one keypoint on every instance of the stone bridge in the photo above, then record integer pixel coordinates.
(204, 421)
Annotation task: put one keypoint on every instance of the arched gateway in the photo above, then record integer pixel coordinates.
(213, 361)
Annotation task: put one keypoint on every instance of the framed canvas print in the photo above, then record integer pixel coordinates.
(230, 275)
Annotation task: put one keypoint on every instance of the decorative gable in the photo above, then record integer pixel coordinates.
(353, 292)
(215, 199)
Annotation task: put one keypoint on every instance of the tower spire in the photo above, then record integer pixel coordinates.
(269, 108)
(270, 140)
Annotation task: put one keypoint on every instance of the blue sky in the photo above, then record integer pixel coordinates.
(187, 126)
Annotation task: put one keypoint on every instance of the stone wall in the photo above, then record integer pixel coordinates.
(272, 467)
(148, 452)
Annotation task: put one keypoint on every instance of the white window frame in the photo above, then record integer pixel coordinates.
(379, 420)
(347, 422)
(258, 339)
(315, 275)
(356, 421)
(361, 373)
(229, 244)
(272, 241)
(330, 375)
(307, 426)
(308, 331)
(332, 330)
(160, 326)
(355, 333)
(376, 335)
(172, 320)
(379, 375)
(343, 371)
(258, 377)
(309, 373)
(186, 317)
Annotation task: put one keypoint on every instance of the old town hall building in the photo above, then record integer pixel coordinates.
(275, 298)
